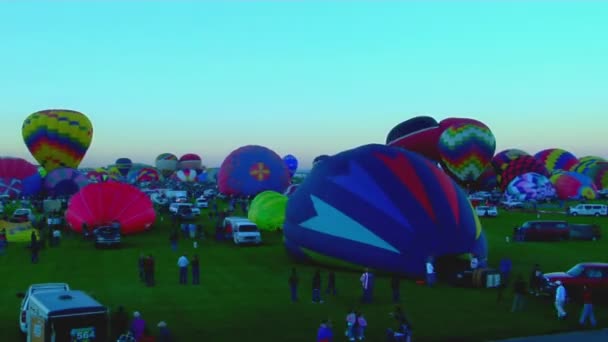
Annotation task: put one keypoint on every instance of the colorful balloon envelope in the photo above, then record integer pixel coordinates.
(190, 161)
(124, 166)
(381, 207)
(599, 173)
(466, 148)
(166, 163)
(487, 181)
(502, 159)
(530, 186)
(586, 165)
(17, 174)
(64, 182)
(267, 210)
(103, 203)
(572, 185)
(187, 176)
(252, 169)
(57, 137)
(556, 159)
(419, 134)
(519, 166)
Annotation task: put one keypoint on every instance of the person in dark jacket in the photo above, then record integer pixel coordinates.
(119, 322)
(196, 270)
(316, 287)
(331, 283)
(519, 292)
(395, 288)
(164, 335)
(293, 285)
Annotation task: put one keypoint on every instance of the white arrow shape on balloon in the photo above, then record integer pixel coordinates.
(332, 221)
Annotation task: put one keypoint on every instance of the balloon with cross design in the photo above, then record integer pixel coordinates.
(252, 169)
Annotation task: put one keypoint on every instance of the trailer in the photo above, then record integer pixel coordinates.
(66, 316)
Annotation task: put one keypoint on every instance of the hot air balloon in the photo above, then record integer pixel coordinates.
(186, 175)
(572, 185)
(380, 207)
(57, 137)
(556, 159)
(64, 182)
(252, 169)
(190, 161)
(319, 159)
(292, 164)
(530, 186)
(586, 164)
(18, 177)
(519, 166)
(144, 174)
(124, 166)
(466, 147)
(166, 163)
(97, 176)
(267, 210)
(504, 157)
(599, 174)
(103, 203)
(419, 134)
(487, 181)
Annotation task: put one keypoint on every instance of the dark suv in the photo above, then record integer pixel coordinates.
(583, 231)
(542, 231)
(107, 236)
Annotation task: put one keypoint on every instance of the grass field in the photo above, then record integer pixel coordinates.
(244, 294)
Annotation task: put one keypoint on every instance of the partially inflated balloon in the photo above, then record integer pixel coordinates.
(103, 203)
(166, 163)
(267, 210)
(64, 182)
(519, 166)
(466, 149)
(57, 137)
(530, 186)
(13, 174)
(190, 161)
(504, 157)
(572, 185)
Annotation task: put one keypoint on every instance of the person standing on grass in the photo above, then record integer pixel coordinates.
(560, 300)
(182, 263)
(173, 239)
(316, 287)
(361, 326)
(140, 266)
(395, 287)
(587, 311)
(138, 326)
(367, 280)
(324, 333)
(518, 294)
(331, 283)
(430, 272)
(196, 271)
(293, 285)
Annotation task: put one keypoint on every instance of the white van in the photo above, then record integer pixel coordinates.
(36, 288)
(589, 210)
(243, 230)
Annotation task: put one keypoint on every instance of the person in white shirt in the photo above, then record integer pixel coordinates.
(430, 272)
(560, 300)
(183, 263)
(367, 283)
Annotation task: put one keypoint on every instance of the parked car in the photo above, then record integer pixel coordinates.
(592, 274)
(542, 231)
(209, 192)
(591, 209)
(36, 288)
(22, 215)
(581, 231)
(603, 193)
(486, 211)
(512, 204)
(107, 236)
(175, 208)
(201, 203)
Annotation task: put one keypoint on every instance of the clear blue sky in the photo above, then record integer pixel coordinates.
(303, 77)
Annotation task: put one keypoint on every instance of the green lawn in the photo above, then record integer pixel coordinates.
(244, 294)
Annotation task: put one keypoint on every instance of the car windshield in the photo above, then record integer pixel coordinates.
(248, 228)
(575, 271)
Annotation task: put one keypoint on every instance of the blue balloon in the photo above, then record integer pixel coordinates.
(381, 207)
(292, 164)
(31, 185)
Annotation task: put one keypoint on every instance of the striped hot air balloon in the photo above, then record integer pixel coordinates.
(556, 159)
(466, 149)
(57, 137)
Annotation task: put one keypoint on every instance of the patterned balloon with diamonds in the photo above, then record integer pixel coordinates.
(466, 149)
(556, 159)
